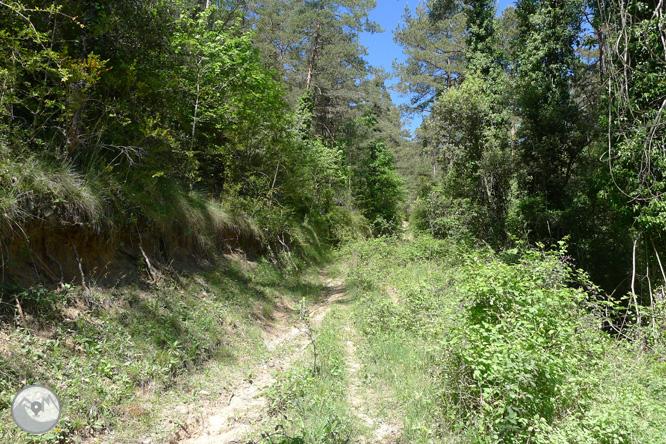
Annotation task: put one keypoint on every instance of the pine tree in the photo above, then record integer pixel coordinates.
(434, 44)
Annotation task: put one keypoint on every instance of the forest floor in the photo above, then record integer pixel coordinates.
(242, 414)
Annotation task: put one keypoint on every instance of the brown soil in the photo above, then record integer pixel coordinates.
(51, 253)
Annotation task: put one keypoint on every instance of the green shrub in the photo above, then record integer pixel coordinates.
(517, 357)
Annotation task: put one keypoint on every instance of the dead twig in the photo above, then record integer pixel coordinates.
(83, 276)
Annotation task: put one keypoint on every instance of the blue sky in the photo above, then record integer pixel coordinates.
(382, 51)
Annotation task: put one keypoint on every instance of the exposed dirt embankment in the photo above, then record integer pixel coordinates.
(49, 253)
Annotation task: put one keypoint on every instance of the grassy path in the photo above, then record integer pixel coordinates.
(232, 419)
(387, 359)
(336, 403)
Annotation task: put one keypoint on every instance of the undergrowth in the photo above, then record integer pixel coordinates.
(481, 347)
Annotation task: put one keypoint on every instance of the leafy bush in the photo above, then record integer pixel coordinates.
(517, 356)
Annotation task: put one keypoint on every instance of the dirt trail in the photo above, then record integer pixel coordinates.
(232, 418)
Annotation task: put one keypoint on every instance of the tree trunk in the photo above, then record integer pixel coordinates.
(196, 102)
(313, 59)
(448, 73)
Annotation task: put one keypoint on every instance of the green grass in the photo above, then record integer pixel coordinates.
(398, 379)
(118, 357)
(401, 369)
(308, 402)
(393, 287)
(453, 345)
(32, 187)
